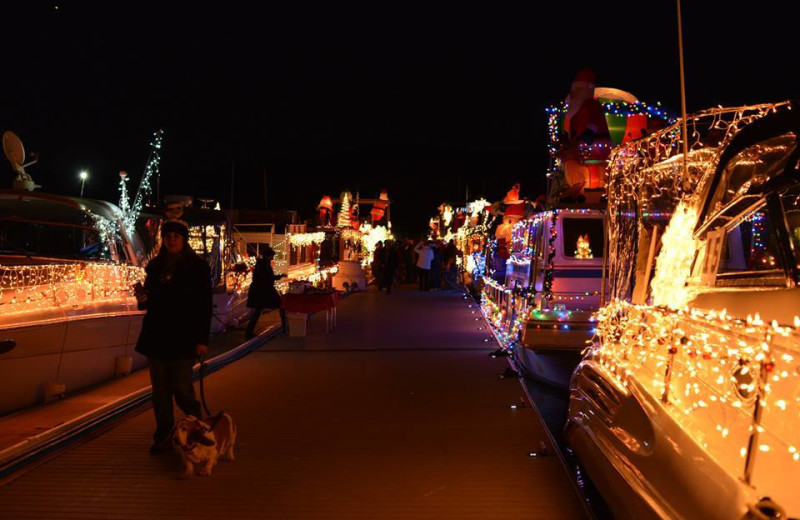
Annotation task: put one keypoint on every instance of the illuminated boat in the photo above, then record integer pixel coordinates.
(550, 290)
(542, 300)
(68, 318)
(687, 404)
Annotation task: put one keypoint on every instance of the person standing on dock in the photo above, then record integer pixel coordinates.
(389, 266)
(177, 297)
(425, 252)
(262, 293)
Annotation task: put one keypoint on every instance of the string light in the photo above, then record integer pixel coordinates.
(730, 383)
(370, 236)
(646, 179)
(699, 363)
(36, 291)
(145, 189)
(306, 239)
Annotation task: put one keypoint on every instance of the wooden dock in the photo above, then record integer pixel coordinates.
(397, 414)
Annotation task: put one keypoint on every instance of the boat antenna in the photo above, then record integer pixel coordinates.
(15, 153)
(685, 136)
(145, 190)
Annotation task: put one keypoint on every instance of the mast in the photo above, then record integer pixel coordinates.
(684, 137)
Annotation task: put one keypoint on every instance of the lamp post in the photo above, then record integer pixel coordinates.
(83, 175)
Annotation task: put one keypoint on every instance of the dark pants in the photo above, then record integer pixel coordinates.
(257, 311)
(387, 280)
(251, 327)
(171, 377)
(423, 275)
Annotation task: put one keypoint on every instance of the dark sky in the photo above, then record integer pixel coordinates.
(423, 101)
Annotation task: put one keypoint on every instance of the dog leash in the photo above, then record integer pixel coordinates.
(203, 366)
(216, 418)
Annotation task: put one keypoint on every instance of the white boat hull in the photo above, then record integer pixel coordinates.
(76, 352)
(644, 463)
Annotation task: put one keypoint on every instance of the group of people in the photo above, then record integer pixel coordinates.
(437, 265)
(431, 263)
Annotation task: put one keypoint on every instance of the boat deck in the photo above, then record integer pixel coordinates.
(399, 413)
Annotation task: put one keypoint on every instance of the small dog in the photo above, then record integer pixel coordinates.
(203, 444)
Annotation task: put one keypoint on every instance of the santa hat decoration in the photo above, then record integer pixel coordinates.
(376, 213)
(515, 210)
(512, 197)
(379, 208)
(585, 78)
(325, 203)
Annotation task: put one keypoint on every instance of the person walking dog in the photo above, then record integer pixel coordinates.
(175, 330)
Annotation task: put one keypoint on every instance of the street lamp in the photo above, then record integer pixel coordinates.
(83, 175)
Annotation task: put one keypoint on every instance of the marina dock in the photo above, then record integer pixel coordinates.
(398, 413)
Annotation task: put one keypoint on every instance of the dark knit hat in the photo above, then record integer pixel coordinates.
(175, 226)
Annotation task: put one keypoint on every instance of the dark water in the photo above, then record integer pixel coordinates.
(552, 404)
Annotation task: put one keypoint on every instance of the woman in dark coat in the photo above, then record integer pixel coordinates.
(262, 294)
(177, 297)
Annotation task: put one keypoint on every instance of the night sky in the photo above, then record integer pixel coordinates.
(422, 101)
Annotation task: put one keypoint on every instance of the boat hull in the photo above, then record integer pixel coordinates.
(76, 352)
(550, 353)
(640, 459)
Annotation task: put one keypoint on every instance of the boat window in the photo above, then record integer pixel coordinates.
(583, 237)
(52, 241)
(535, 238)
(752, 167)
(791, 207)
(751, 254)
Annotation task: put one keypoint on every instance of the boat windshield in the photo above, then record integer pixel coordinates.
(753, 167)
(51, 240)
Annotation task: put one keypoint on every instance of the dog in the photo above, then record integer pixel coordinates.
(203, 444)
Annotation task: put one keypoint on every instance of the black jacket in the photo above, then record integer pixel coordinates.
(178, 308)
(262, 293)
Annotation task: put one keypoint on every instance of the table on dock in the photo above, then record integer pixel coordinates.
(399, 414)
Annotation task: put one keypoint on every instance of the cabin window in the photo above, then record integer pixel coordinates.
(535, 238)
(583, 237)
(54, 241)
(750, 254)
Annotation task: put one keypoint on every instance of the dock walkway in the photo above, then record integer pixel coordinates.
(397, 414)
